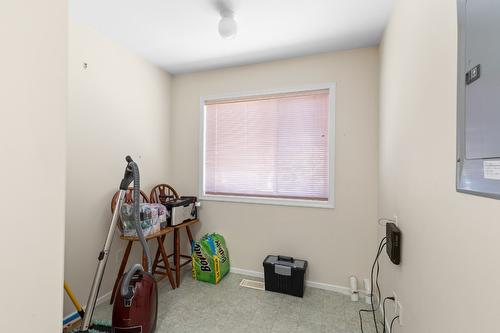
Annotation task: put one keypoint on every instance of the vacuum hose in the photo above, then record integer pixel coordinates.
(134, 169)
(137, 214)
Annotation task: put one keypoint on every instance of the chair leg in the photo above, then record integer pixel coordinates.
(189, 234)
(161, 248)
(190, 237)
(157, 256)
(177, 250)
(145, 259)
(121, 270)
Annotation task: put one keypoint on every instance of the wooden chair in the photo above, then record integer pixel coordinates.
(144, 199)
(162, 193)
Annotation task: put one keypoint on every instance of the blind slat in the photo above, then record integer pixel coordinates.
(272, 146)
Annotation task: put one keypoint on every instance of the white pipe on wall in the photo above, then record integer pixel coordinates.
(368, 291)
(353, 281)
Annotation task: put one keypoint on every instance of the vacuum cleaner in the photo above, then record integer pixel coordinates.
(136, 305)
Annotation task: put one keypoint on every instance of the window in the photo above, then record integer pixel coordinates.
(272, 148)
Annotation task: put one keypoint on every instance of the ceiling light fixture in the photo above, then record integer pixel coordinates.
(227, 24)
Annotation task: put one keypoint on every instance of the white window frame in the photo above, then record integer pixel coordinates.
(273, 201)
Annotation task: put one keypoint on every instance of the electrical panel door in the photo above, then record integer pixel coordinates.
(478, 163)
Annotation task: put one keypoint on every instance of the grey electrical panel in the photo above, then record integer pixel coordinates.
(478, 134)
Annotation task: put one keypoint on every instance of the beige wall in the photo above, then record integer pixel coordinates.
(337, 242)
(119, 105)
(32, 159)
(448, 279)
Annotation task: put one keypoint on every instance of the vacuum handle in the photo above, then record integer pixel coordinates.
(127, 292)
(128, 177)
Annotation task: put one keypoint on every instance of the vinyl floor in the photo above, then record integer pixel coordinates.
(227, 307)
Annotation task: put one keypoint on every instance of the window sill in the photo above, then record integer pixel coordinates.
(269, 201)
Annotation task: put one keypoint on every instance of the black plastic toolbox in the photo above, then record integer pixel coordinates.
(285, 275)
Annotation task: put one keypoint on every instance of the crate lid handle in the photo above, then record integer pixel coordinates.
(285, 258)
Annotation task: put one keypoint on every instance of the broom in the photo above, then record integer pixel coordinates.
(97, 326)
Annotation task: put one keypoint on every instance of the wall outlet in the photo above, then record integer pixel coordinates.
(398, 308)
(396, 300)
(400, 312)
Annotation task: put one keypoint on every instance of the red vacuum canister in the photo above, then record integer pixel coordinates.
(136, 312)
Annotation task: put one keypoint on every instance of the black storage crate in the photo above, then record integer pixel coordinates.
(285, 275)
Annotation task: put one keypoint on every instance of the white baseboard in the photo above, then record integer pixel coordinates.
(104, 298)
(247, 272)
(331, 287)
(100, 300)
(319, 285)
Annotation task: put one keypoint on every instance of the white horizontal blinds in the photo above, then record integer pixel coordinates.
(268, 146)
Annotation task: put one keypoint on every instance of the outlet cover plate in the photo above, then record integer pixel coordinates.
(396, 299)
(400, 313)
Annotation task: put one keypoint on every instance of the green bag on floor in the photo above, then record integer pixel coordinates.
(222, 253)
(205, 264)
(210, 258)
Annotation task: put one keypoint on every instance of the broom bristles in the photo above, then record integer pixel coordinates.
(97, 326)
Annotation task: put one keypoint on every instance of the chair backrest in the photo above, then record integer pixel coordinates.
(129, 198)
(162, 193)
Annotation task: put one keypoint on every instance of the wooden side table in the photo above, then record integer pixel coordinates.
(162, 193)
(160, 237)
(161, 265)
(177, 255)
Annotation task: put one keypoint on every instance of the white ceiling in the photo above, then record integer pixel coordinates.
(181, 35)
